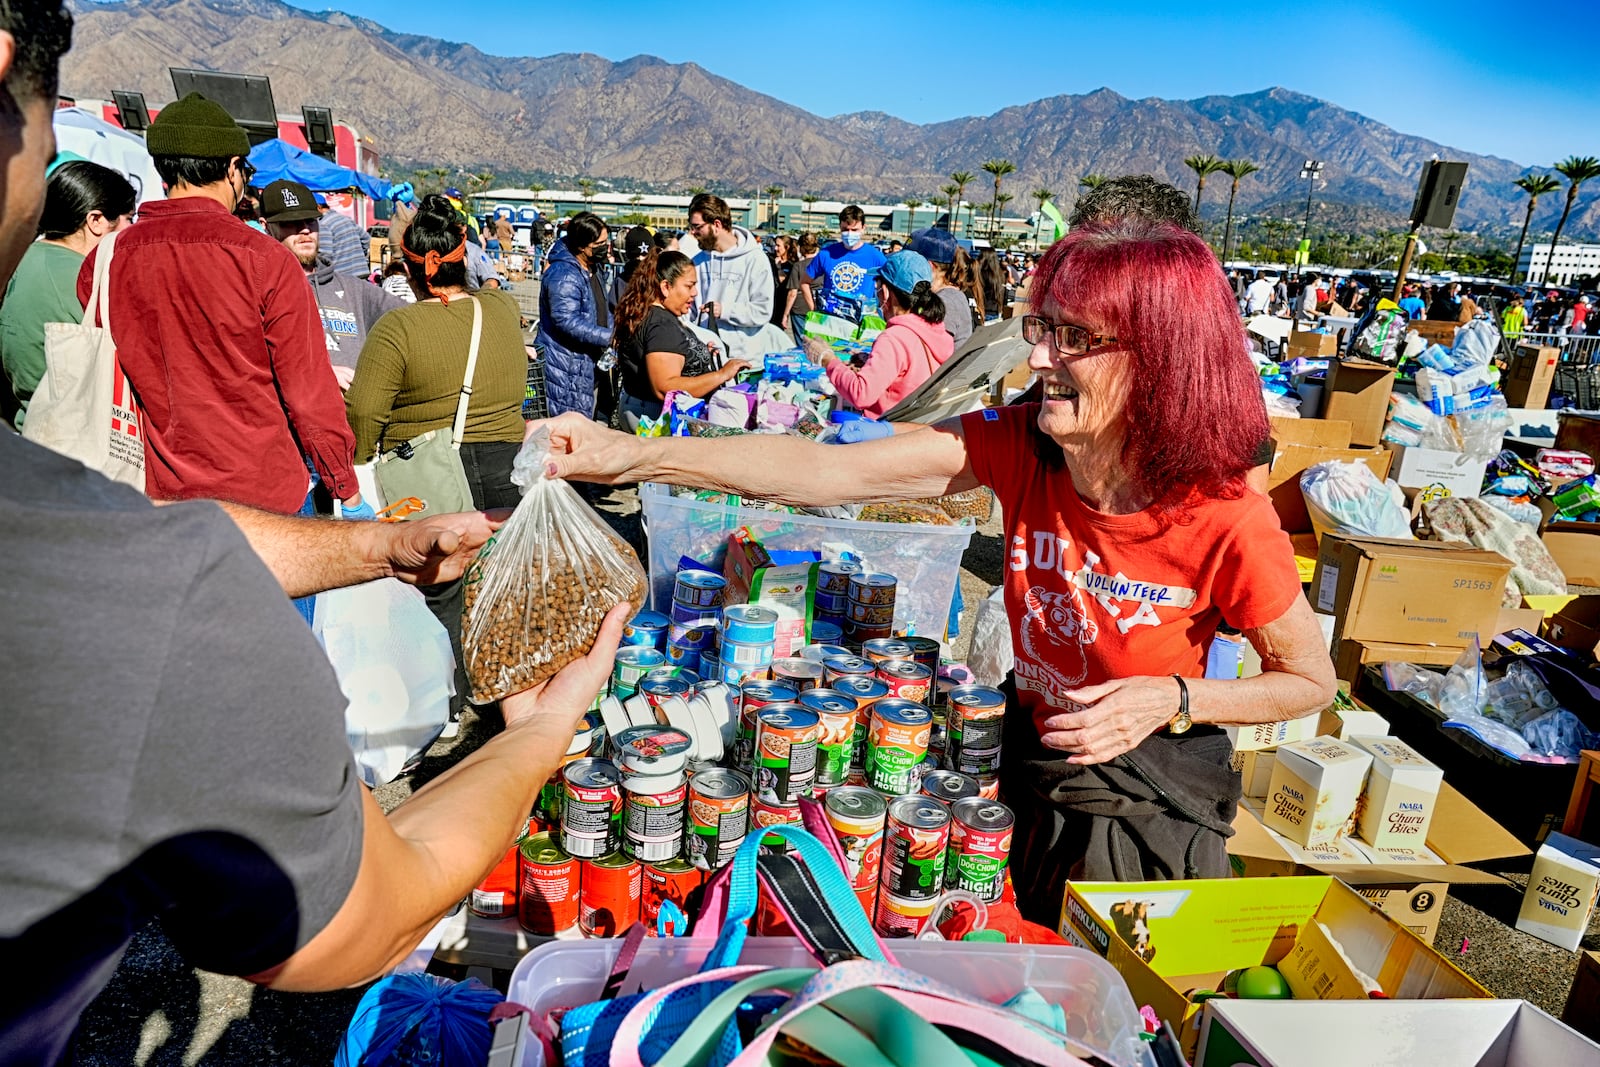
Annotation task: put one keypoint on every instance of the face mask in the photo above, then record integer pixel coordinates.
(851, 238)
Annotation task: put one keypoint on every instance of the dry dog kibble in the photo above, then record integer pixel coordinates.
(537, 593)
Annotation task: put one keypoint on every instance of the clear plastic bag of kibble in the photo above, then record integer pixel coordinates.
(537, 593)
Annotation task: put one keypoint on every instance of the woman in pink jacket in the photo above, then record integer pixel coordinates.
(908, 352)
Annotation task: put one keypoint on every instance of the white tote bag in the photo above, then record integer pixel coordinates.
(84, 406)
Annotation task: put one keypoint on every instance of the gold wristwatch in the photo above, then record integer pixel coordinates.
(1181, 722)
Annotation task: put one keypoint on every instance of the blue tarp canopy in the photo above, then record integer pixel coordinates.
(277, 160)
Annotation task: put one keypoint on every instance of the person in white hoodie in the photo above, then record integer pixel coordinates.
(735, 281)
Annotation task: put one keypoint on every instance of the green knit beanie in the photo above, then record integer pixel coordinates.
(197, 128)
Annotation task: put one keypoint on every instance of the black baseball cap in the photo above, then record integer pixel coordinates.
(286, 201)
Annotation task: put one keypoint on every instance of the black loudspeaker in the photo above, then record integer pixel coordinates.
(1438, 193)
(246, 97)
(319, 131)
(131, 110)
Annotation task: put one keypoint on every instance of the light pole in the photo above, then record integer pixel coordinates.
(1310, 172)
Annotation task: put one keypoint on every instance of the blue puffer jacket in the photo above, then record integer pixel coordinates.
(568, 335)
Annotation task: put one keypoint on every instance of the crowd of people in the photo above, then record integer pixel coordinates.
(187, 758)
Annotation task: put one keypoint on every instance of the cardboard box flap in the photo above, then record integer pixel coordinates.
(1461, 833)
(1317, 433)
(1384, 874)
(1374, 546)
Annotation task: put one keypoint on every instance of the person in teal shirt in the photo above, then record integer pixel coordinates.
(83, 202)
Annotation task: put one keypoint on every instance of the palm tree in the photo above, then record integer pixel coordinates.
(1450, 240)
(1040, 194)
(1092, 181)
(809, 199)
(1535, 185)
(1000, 202)
(1577, 170)
(999, 168)
(535, 188)
(696, 190)
(773, 192)
(964, 178)
(1203, 166)
(586, 187)
(912, 203)
(1235, 169)
(950, 192)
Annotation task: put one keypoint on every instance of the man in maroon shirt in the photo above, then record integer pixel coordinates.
(220, 335)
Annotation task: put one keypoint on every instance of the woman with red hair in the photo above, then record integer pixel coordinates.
(1131, 537)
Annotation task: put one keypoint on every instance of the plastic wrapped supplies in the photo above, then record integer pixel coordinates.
(1380, 335)
(1349, 498)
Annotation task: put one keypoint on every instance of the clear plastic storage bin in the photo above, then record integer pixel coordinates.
(1098, 1006)
(926, 559)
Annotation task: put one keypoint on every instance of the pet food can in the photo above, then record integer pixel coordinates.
(699, 635)
(980, 846)
(989, 786)
(608, 895)
(699, 589)
(743, 654)
(656, 689)
(886, 650)
(836, 733)
(822, 651)
(901, 917)
(897, 741)
(547, 886)
(875, 616)
(826, 633)
(833, 575)
(653, 750)
(678, 656)
(735, 675)
(857, 814)
(750, 624)
(786, 753)
(652, 815)
(719, 817)
(648, 629)
(802, 673)
(753, 696)
(830, 605)
(857, 633)
(837, 667)
(947, 787)
(688, 613)
(632, 664)
(916, 835)
(920, 772)
(975, 720)
(873, 589)
(548, 806)
(672, 880)
(591, 807)
(926, 651)
(867, 691)
(906, 679)
(496, 896)
(679, 672)
(764, 816)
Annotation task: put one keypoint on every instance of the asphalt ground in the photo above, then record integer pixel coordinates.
(160, 1011)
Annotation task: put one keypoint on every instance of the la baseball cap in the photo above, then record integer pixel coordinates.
(287, 201)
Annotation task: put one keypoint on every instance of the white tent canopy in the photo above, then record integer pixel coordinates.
(81, 134)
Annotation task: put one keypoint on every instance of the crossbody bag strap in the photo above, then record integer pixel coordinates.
(459, 430)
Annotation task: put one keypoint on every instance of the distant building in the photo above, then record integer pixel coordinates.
(1570, 262)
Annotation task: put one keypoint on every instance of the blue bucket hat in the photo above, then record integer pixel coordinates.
(903, 270)
(937, 245)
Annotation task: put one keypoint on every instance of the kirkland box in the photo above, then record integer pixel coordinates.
(1388, 1033)
(1408, 592)
(1168, 938)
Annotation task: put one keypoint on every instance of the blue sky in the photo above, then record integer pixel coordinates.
(1500, 79)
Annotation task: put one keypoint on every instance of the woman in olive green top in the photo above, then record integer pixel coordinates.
(82, 203)
(408, 378)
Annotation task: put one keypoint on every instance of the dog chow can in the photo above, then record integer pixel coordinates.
(652, 815)
(496, 896)
(584, 741)
(872, 588)
(886, 650)
(591, 807)
(719, 817)
(547, 886)
(786, 753)
(753, 696)
(901, 916)
(836, 733)
(857, 815)
(916, 835)
(764, 816)
(867, 691)
(837, 667)
(906, 679)
(648, 629)
(975, 721)
(752, 624)
(609, 891)
(947, 787)
(673, 880)
(980, 846)
(633, 663)
(833, 575)
(798, 671)
(897, 741)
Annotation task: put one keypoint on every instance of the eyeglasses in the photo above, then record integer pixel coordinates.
(1070, 338)
(246, 171)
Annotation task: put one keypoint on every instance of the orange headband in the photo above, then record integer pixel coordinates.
(430, 265)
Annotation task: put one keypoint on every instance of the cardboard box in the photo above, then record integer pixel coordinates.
(1435, 1033)
(1528, 619)
(1435, 331)
(1402, 791)
(1315, 787)
(1350, 656)
(1302, 443)
(1577, 432)
(1576, 627)
(1561, 891)
(1255, 770)
(1166, 938)
(1575, 546)
(1527, 380)
(1436, 472)
(1409, 592)
(1341, 722)
(1358, 392)
(1582, 1012)
(1308, 344)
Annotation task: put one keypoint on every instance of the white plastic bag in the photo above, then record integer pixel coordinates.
(1348, 498)
(394, 664)
(991, 658)
(537, 593)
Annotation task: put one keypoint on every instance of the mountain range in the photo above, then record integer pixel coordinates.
(433, 102)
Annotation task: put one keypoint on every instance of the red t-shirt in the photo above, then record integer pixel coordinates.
(1092, 597)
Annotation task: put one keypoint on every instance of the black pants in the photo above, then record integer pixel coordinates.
(488, 467)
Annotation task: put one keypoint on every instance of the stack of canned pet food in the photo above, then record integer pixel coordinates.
(706, 736)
